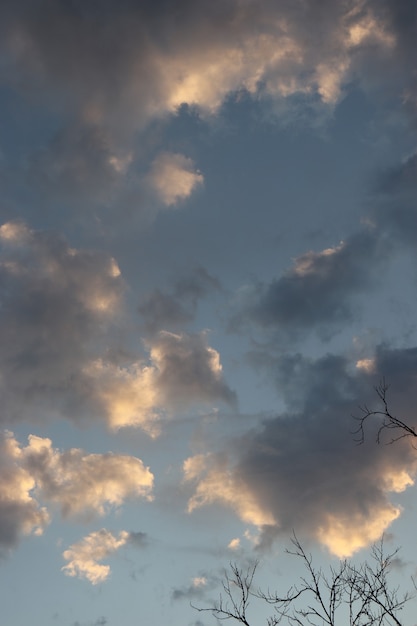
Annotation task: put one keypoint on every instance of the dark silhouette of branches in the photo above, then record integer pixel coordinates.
(234, 601)
(389, 422)
(349, 594)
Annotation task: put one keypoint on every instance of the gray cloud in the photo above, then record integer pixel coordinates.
(57, 306)
(188, 370)
(108, 71)
(60, 308)
(318, 291)
(302, 470)
(174, 309)
(138, 539)
(197, 590)
(129, 63)
(81, 486)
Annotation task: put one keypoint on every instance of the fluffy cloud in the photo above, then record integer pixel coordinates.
(183, 370)
(59, 306)
(110, 72)
(20, 513)
(82, 485)
(173, 177)
(203, 53)
(303, 471)
(217, 483)
(84, 557)
(317, 291)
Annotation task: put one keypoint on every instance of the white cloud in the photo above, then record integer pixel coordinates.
(20, 513)
(174, 177)
(84, 557)
(234, 544)
(84, 485)
(183, 370)
(215, 482)
(270, 50)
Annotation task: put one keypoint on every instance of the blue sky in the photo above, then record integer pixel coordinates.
(207, 263)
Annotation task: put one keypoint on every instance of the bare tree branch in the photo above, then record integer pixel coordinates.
(237, 592)
(389, 422)
(361, 594)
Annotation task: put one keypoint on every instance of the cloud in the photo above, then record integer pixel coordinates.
(57, 305)
(196, 590)
(188, 370)
(84, 556)
(107, 75)
(173, 177)
(85, 170)
(81, 485)
(168, 311)
(78, 162)
(126, 74)
(20, 513)
(84, 485)
(303, 471)
(217, 483)
(316, 293)
(59, 308)
(183, 371)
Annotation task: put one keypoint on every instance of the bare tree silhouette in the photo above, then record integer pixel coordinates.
(349, 594)
(389, 422)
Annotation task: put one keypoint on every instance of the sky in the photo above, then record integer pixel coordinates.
(207, 263)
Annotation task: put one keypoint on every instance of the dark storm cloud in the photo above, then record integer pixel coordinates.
(303, 469)
(318, 291)
(174, 309)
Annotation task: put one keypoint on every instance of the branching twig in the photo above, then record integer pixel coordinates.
(362, 593)
(389, 421)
